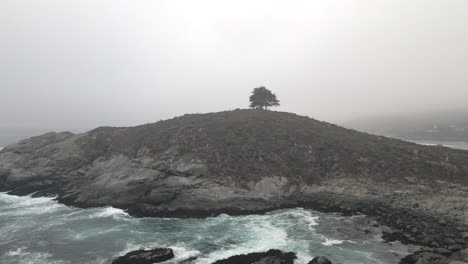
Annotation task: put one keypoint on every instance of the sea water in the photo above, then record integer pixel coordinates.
(42, 231)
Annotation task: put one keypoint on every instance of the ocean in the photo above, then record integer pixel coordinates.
(42, 231)
(449, 144)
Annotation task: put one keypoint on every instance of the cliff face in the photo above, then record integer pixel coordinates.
(240, 161)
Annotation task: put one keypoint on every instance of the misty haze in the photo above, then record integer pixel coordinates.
(135, 132)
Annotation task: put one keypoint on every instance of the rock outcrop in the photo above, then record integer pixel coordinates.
(143, 256)
(272, 256)
(250, 161)
(320, 260)
(436, 257)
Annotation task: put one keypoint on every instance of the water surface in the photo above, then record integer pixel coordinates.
(41, 231)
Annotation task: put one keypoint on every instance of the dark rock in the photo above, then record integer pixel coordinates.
(146, 256)
(449, 241)
(4, 173)
(188, 261)
(397, 236)
(320, 260)
(461, 255)
(455, 247)
(410, 259)
(442, 251)
(34, 186)
(464, 235)
(423, 257)
(272, 256)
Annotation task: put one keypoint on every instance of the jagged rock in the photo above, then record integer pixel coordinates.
(465, 236)
(320, 260)
(455, 247)
(3, 175)
(424, 258)
(397, 236)
(272, 256)
(442, 251)
(146, 256)
(189, 168)
(188, 261)
(461, 255)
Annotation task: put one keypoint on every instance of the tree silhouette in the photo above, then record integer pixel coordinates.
(262, 98)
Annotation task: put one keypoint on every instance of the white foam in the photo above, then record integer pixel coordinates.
(312, 221)
(109, 212)
(87, 234)
(331, 242)
(27, 205)
(263, 235)
(18, 252)
(182, 252)
(33, 257)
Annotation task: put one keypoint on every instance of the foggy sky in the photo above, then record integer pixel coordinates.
(75, 65)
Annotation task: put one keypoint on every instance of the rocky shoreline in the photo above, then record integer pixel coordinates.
(247, 162)
(436, 235)
(274, 256)
(432, 233)
(441, 240)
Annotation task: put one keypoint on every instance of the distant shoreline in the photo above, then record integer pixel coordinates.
(450, 144)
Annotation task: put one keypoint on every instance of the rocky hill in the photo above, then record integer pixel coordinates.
(243, 161)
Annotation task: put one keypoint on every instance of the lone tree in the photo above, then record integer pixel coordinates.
(262, 98)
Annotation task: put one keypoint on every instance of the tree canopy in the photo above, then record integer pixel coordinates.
(262, 98)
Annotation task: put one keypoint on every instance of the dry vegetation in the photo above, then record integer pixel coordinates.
(250, 144)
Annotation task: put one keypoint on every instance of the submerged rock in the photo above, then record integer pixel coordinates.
(188, 261)
(272, 256)
(146, 256)
(320, 260)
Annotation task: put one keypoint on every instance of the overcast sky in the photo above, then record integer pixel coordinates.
(74, 65)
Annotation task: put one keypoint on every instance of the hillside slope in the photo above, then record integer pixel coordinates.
(239, 162)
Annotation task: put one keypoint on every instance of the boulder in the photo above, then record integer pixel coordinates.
(189, 260)
(143, 256)
(320, 260)
(272, 256)
(464, 235)
(461, 255)
(4, 174)
(397, 236)
(442, 251)
(423, 257)
(455, 247)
